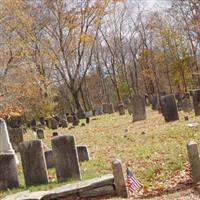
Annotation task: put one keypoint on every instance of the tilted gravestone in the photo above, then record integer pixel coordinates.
(169, 108)
(196, 101)
(8, 172)
(16, 137)
(65, 157)
(33, 162)
(138, 108)
(83, 153)
(52, 123)
(40, 133)
(119, 181)
(121, 109)
(194, 160)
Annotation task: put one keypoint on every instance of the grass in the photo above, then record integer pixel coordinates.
(153, 149)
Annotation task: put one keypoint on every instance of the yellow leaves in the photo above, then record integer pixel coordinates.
(86, 38)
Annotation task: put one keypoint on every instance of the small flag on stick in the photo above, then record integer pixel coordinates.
(132, 182)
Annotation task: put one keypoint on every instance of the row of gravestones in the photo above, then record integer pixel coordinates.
(166, 104)
(64, 156)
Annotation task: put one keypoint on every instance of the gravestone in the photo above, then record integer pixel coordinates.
(147, 101)
(169, 108)
(126, 102)
(194, 160)
(81, 114)
(49, 159)
(42, 121)
(98, 111)
(138, 108)
(83, 153)
(69, 118)
(87, 120)
(75, 121)
(33, 162)
(186, 104)
(65, 157)
(116, 108)
(121, 109)
(16, 137)
(5, 145)
(89, 114)
(63, 123)
(110, 108)
(196, 101)
(40, 133)
(55, 134)
(119, 181)
(8, 171)
(52, 123)
(105, 108)
(154, 100)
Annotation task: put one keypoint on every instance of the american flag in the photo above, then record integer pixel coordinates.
(132, 182)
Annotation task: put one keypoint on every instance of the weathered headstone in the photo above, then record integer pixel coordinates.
(81, 114)
(98, 111)
(16, 137)
(83, 153)
(54, 134)
(126, 102)
(40, 133)
(105, 108)
(196, 101)
(49, 159)
(75, 121)
(69, 118)
(87, 120)
(42, 121)
(154, 100)
(121, 109)
(194, 160)
(5, 145)
(89, 114)
(138, 108)
(52, 123)
(119, 181)
(186, 104)
(33, 162)
(110, 108)
(169, 108)
(8, 171)
(63, 123)
(147, 101)
(65, 157)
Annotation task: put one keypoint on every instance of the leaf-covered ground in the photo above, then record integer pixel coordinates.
(154, 150)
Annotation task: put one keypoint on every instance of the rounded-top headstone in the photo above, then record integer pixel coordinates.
(119, 180)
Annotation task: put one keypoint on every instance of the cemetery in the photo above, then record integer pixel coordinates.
(83, 161)
(99, 99)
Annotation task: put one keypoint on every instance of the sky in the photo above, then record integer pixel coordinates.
(159, 3)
